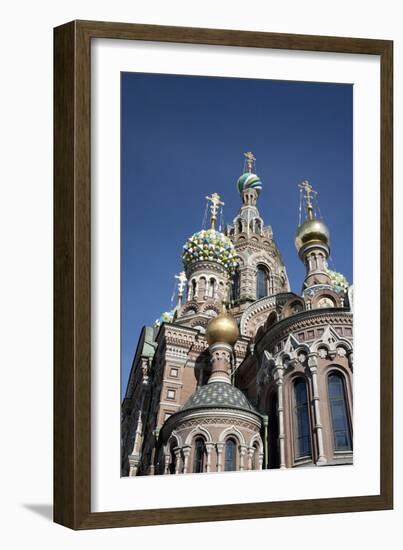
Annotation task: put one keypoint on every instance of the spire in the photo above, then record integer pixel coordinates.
(312, 240)
(250, 160)
(215, 200)
(310, 194)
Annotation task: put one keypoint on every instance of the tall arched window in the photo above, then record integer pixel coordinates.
(274, 451)
(255, 458)
(172, 462)
(261, 282)
(301, 415)
(338, 409)
(211, 288)
(230, 455)
(199, 456)
(192, 290)
(235, 289)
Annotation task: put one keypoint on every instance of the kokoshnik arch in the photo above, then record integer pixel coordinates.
(243, 373)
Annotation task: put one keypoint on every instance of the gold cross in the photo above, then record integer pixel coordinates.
(181, 282)
(309, 194)
(215, 200)
(250, 159)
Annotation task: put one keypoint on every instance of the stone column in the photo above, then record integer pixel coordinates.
(138, 433)
(209, 450)
(220, 451)
(133, 464)
(167, 461)
(178, 462)
(251, 452)
(313, 367)
(186, 453)
(138, 436)
(242, 453)
(278, 376)
(260, 461)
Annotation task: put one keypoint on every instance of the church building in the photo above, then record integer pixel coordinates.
(244, 374)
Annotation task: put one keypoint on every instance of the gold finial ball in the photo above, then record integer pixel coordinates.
(222, 328)
(312, 231)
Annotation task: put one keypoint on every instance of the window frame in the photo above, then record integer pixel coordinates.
(234, 440)
(306, 457)
(202, 461)
(347, 411)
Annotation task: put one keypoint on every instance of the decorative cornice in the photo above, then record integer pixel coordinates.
(205, 265)
(302, 320)
(264, 304)
(215, 415)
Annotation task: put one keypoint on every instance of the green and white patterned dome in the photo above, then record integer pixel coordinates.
(249, 181)
(338, 281)
(210, 245)
(166, 317)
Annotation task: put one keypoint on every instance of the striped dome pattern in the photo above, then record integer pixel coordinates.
(249, 181)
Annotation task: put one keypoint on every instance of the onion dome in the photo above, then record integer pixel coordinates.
(166, 317)
(223, 329)
(210, 245)
(312, 231)
(249, 181)
(338, 281)
(218, 395)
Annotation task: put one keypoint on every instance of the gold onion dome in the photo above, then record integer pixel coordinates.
(312, 231)
(222, 328)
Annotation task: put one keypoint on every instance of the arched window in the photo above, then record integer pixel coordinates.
(235, 289)
(261, 282)
(274, 451)
(192, 290)
(255, 459)
(199, 456)
(230, 455)
(338, 409)
(301, 415)
(172, 462)
(211, 288)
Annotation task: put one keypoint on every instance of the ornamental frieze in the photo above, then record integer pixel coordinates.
(230, 421)
(304, 320)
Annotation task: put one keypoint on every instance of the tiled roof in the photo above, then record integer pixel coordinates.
(218, 394)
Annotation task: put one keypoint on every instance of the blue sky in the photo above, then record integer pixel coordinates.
(184, 137)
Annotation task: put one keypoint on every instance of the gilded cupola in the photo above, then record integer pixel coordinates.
(312, 230)
(222, 329)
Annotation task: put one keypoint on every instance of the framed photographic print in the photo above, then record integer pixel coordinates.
(223, 275)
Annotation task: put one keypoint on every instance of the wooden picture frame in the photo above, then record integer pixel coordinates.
(72, 270)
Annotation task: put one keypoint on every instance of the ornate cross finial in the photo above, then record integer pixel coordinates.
(215, 200)
(310, 193)
(250, 159)
(181, 282)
